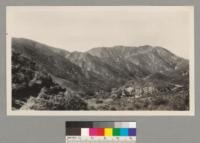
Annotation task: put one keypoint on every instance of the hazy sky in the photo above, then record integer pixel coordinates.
(81, 28)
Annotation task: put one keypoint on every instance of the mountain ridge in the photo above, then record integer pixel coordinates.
(114, 62)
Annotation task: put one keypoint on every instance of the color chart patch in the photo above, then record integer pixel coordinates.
(101, 132)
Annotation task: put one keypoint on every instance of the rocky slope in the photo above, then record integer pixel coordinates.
(152, 59)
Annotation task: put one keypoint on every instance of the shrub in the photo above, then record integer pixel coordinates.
(99, 101)
(61, 101)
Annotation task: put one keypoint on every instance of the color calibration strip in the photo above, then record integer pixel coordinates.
(102, 132)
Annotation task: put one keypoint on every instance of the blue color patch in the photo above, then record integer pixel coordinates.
(132, 131)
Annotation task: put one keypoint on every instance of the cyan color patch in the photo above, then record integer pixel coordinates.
(124, 132)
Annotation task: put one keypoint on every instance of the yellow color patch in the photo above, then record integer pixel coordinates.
(108, 131)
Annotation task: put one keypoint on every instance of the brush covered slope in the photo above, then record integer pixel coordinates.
(104, 78)
(34, 89)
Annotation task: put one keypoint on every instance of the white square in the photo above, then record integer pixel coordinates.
(84, 131)
(132, 124)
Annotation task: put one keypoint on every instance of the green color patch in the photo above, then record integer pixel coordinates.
(116, 132)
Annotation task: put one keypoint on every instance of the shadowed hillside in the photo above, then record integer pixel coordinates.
(33, 88)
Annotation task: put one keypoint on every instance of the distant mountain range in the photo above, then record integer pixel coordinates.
(104, 68)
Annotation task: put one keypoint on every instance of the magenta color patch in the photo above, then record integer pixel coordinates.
(93, 131)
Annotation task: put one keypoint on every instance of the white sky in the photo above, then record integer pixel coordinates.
(81, 28)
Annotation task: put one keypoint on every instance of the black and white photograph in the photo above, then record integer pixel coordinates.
(100, 60)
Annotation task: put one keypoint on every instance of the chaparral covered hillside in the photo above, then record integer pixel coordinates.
(103, 78)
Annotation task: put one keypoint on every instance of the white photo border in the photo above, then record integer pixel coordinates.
(190, 112)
